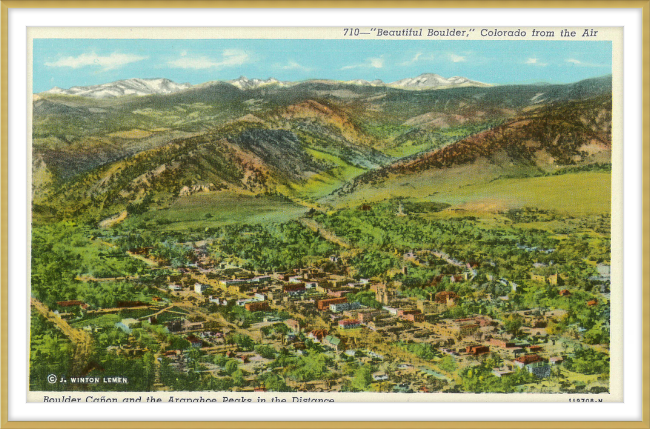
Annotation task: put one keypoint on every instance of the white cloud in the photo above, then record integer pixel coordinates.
(292, 65)
(107, 62)
(229, 58)
(535, 62)
(456, 58)
(376, 63)
(583, 64)
(418, 57)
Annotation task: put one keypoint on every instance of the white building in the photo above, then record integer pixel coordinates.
(200, 288)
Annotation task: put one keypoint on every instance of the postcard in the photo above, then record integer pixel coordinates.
(325, 214)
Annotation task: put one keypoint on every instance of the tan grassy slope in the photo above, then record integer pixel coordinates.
(495, 169)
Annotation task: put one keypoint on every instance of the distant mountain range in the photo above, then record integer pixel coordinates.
(159, 86)
(318, 142)
(124, 87)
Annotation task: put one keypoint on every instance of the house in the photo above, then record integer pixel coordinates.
(391, 310)
(295, 279)
(215, 300)
(592, 303)
(349, 323)
(541, 369)
(232, 282)
(257, 306)
(454, 329)
(200, 288)
(317, 335)
(324, 304)
(345, 306)
(477, 350)
(379, 376)
(260, 279)
(195, 341)
(502, 372)
(175, 287)
(337, 292)
(294, 290)
(556, 360)
(293, 324)
(332, 342)
(310, 285)
(366, 316)
(411, 315)
(565, 292)
(337, 280)
(529, 359)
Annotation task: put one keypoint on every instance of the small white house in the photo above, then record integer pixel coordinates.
(379, 376)
(200, 288)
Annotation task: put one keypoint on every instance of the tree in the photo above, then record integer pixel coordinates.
(362, 378)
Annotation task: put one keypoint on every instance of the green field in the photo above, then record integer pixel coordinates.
(205, 210)
(574, 194)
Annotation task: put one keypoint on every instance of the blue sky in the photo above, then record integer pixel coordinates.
(79, 62)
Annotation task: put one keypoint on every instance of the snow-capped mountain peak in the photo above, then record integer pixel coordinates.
(434, 81)
(135, 86)
(244, 83)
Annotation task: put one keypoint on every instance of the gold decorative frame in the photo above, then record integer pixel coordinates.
(643, 5)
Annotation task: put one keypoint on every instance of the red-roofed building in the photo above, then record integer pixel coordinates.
(317, 335)
(525, 360)
(257, 306)
(565, 292)
(349, 323)
(324, 304)
(477, 350)
(411, 315)
(592, 303)
(73, 303)
(294, 290)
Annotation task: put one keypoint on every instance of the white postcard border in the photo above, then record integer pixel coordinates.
(19, 19)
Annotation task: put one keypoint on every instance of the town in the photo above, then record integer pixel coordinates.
(209, 315)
